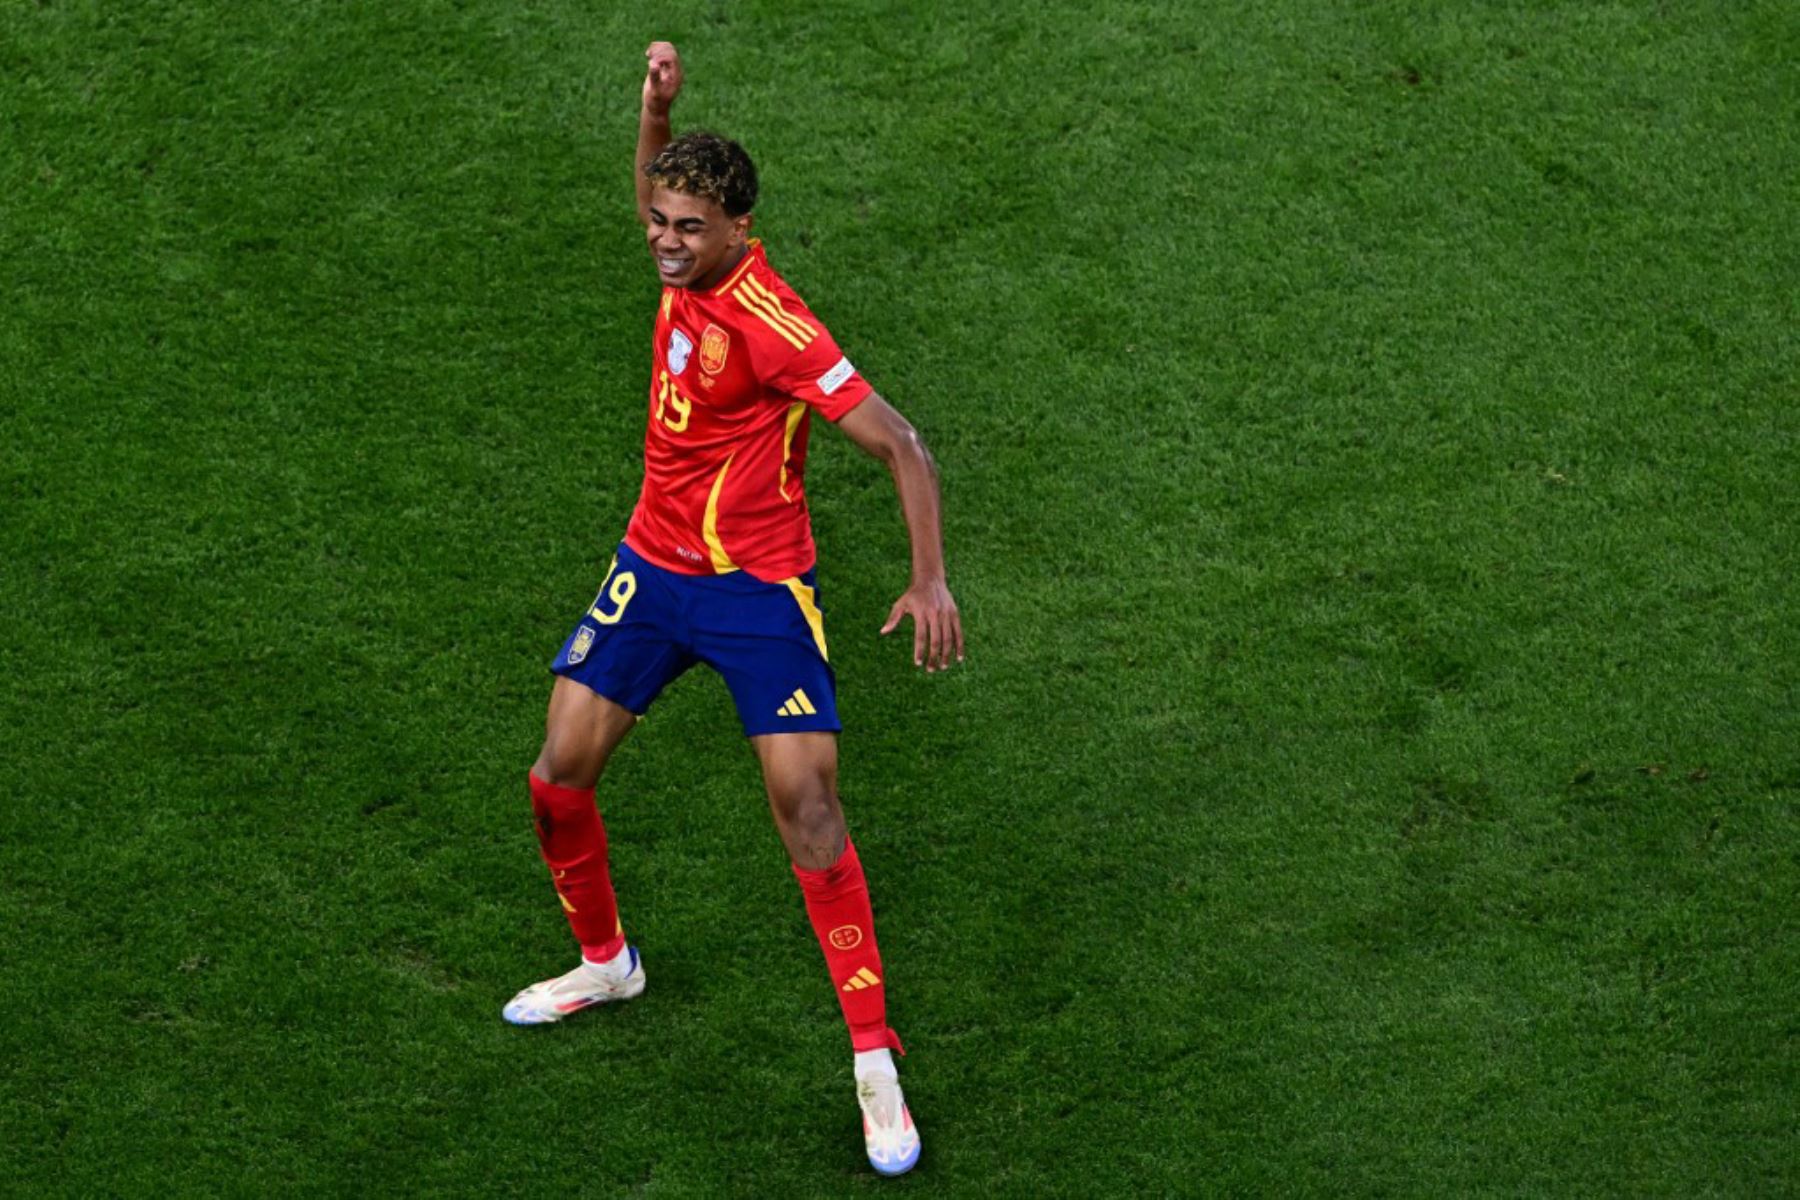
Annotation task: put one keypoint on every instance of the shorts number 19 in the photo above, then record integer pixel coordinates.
(619, 588)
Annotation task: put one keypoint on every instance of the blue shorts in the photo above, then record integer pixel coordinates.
(649, 625)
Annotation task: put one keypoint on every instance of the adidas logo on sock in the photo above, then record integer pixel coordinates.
(864, 978)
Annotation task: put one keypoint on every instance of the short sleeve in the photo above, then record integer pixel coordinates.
(799, 358)
(821, 376)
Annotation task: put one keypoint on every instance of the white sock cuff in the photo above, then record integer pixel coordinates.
(621, 960)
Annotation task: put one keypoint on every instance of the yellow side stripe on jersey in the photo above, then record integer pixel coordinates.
(796, 411)
(757, 288)
(721, 561)
(755, 306)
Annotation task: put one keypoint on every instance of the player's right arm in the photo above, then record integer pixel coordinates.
(662, 83)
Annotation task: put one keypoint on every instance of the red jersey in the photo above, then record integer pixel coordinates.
(737, 371)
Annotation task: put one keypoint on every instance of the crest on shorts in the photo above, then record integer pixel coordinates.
(714, 344)
(584, 639)
(679, 349)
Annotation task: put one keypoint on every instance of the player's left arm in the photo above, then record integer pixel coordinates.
(879, 429)
(662, 84)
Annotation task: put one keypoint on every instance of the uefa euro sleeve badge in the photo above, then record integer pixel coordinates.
(679, 349)
(584, 639)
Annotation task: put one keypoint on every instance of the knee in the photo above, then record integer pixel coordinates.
(809, 811)
(557, 763)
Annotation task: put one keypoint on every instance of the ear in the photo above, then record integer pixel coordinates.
(740, 228)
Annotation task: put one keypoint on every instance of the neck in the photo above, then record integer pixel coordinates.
(722, 270)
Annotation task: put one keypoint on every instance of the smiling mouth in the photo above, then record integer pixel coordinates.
(672, 266)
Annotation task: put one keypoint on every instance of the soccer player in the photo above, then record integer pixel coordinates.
(716, 567)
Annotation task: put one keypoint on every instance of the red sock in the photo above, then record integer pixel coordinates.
(573, 842)
(837, 900)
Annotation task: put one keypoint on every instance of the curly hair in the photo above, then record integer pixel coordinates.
(709, 166)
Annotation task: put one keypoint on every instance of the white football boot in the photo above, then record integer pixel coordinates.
(587, 985)
(888, 1132)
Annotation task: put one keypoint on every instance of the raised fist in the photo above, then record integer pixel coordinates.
(662, 81)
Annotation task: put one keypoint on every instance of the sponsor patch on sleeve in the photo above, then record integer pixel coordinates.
(833, 379)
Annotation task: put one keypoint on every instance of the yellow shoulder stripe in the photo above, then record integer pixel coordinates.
(766, 307)
(769, 321)
(759, 300)
(760, 290)
(793, 339)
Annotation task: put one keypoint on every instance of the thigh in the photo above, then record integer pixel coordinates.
(581, 731)
(796, 763)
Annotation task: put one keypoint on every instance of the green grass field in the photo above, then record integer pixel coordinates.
(1369, 440)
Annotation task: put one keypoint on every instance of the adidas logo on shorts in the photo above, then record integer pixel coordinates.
(797, 705)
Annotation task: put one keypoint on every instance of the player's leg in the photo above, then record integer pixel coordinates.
(768, 641)
(800, 776)
(610, 669)
(581, 731)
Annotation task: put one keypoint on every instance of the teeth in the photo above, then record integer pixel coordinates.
(671, 265)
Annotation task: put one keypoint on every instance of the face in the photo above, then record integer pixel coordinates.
(692, 241)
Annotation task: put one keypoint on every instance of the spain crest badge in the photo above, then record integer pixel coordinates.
(714, 344)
